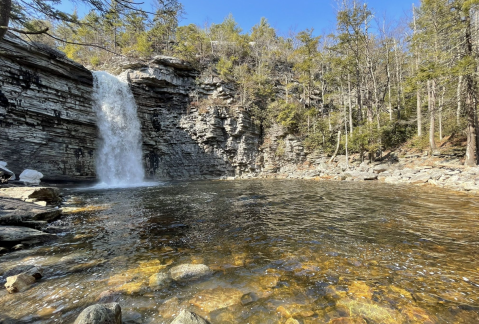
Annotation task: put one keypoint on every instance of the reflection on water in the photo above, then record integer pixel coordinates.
(281, 250)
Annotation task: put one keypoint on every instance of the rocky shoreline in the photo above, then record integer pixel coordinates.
(25, 213)
(411, 170)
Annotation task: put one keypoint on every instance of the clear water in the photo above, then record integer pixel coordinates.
(119, 157)
(314, 251)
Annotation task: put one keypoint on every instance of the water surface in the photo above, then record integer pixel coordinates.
(314, 251)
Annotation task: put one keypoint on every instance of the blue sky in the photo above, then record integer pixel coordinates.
(283, 15)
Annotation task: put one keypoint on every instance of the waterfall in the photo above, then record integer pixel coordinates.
(119, 157)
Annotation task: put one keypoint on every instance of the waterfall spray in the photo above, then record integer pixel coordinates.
(119, 157)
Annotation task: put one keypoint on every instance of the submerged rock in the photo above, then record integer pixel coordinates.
(100, 314)
(189, 272)
(348, 320)
(186, 317)
(159, 280)
(210, 300)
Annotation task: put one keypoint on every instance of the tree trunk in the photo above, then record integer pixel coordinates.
(337, 147)
(350, 108)
(471, 150)
(418, 108)
(430, 104)
(459, 102)
(5, 8)
(441, 105)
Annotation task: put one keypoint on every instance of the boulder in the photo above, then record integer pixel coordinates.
(100, 314)
(5, 174)
(17, 212)
(186, 317)
(31, 177)
(189, 272)
(14, 234)
(33, 194)
(19, 282)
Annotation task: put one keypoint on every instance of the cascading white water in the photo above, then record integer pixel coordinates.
(119, 158)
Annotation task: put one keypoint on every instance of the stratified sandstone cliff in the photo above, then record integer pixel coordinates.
(46, 119)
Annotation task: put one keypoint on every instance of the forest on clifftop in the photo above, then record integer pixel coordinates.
(369, 86)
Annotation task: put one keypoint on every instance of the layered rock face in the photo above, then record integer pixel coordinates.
(46, 117)
(47, 122)
(184, 141)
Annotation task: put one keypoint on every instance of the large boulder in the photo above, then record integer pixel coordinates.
(186, 317)
(189, 272)
(100, 314)
(31, 177)
(15, 234)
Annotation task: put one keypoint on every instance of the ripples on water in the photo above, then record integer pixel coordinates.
(314, 251)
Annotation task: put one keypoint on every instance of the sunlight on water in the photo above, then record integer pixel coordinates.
(316, 252)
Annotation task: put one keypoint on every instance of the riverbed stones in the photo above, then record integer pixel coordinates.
(100, 314)
(190, 272)
(187, 317)
(210, 300)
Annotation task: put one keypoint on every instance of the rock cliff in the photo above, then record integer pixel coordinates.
(46, 119)
(47, 122)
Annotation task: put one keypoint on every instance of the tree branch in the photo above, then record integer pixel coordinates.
(26, 32)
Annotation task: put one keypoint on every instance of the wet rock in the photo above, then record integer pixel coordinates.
(19, 282)
(170, 308)
(186, 317)
(100, 314)
(248, 298)
(190, 272)
(213, 299)
(159, 280)
(359, 289)
(108, 296)
(291, 321)
(31, 177)
(17, 212)
(370, 311)
(11, 234)
(348, 320)
(33, 194)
